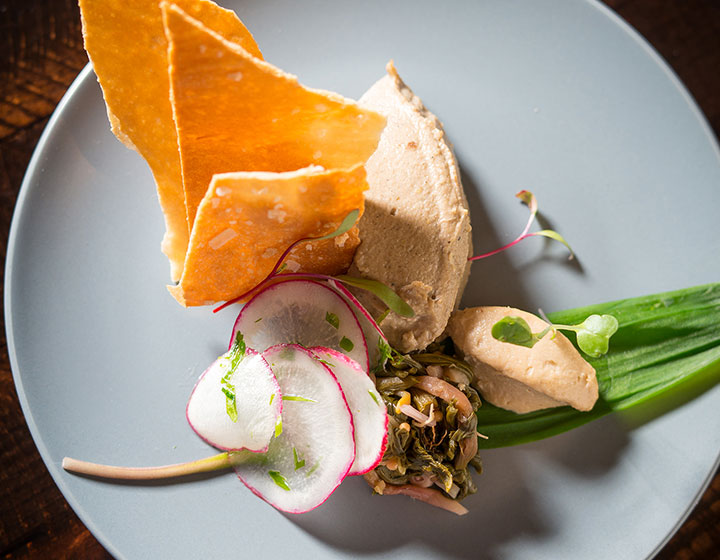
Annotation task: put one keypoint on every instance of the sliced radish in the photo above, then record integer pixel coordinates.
(236, 408)
(301, 312)
(315, 446)
(366, 406)
(374, 336)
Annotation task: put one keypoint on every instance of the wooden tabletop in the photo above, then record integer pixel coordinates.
(41, 53)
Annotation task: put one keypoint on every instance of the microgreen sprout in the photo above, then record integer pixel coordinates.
(528, 198)
(593, 334)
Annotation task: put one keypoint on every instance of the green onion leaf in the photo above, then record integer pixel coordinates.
(278, 426)
(346, 344)
(666, 350)
(279, 479)
(374, 396)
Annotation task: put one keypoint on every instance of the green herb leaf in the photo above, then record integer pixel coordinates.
(551, 234)
(299, 463)
(388, 297)
(345, 226)
(385, 353)
(278, 426)
(346, 344)
(514, 330)
(313, 468)
(593, 334)
(279, 479)
(374, 396)
(333, 319)
(667, 345)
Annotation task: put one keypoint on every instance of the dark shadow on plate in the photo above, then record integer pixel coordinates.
(552, 251)
(494, 280)
(187, 479)
(357, 522)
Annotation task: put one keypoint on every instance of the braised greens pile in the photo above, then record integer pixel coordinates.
(432, 441)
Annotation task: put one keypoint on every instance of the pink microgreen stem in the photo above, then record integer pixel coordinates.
(528, 198)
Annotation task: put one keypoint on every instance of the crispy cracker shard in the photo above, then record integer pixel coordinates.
(131, 67)
(246, 219)
(236, 113)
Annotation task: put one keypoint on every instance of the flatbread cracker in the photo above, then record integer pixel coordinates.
(247, 219)
(235, 112)
(126, 43)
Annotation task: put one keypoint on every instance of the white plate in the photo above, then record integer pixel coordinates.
(558, 97)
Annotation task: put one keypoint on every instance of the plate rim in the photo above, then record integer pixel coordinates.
(33, 169)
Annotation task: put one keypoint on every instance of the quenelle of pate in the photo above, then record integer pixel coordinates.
(551, 373)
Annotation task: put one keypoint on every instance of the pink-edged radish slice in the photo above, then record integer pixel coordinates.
(374, 337)
(301, 312)
(366, 406)
(314, 447)
(236, 402)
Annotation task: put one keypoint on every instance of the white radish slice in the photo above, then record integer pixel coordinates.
(314, 451)
(374, 336)
(251, 391)
(366, 406)
(301, 312)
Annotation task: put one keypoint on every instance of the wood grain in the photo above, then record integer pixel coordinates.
(41, 53)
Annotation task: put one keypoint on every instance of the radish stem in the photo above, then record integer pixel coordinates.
(209, 464)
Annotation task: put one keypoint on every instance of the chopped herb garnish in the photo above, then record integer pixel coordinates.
(313, 468)
(279, 480)
(235, 356)
(258, 319)
(297, 398)
(299, 463)
(278, 426)
(346, 344)
(385, 353)
(272, 398)
(333, 319)
(374, 397)
(328, 364)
